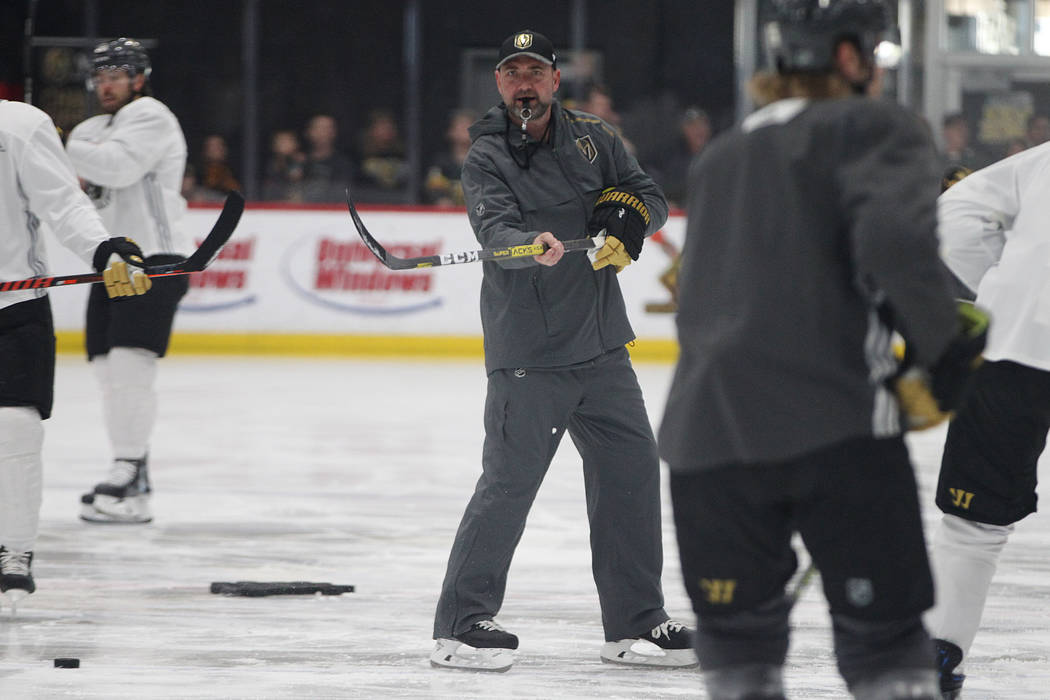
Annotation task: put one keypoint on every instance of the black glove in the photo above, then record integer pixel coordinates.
(127, 249)
(951, 377)
(111, 259)
(625, 218)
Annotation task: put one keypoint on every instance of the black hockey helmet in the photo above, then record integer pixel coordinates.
(121, 54)
(801, 35)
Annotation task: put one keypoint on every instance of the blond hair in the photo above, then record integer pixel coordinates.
(766, 87)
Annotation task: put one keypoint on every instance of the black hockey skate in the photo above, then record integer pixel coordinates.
(484, 647)
(16, 575)
(948, 657)
(668, 645)
(123, 497)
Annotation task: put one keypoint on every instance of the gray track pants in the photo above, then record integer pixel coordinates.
(526, 414)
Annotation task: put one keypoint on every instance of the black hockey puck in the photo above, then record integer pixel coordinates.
(67, 663)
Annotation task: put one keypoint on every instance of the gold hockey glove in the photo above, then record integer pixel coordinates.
(919, 408)
(612, 253)
(624, 218)
(929, 397)
(111, 259)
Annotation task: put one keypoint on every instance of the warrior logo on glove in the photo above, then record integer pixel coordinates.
(625, 219)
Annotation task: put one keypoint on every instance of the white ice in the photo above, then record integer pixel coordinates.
(356, 472)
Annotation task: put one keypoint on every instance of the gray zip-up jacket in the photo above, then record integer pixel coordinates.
(534, 315)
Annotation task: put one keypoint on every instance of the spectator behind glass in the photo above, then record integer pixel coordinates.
(599, 102)
(326, 172)
(283, 181)
(694, 131)
(1015, 146)
(189, 184)
(383, 172)
(216, 175)
(955, 133)
(1038, 130)
(442, 186)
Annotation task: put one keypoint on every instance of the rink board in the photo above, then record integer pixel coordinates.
(300, 281)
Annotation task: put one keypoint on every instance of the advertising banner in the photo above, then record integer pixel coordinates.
(302, 271)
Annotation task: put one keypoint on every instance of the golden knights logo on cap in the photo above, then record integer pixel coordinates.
(529, 43)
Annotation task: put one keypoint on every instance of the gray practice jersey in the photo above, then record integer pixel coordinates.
(806, 225)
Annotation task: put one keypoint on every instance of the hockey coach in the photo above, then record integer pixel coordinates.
(555, 329)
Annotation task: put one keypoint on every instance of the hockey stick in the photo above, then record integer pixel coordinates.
(216, 238)
(801, 583)
(515, 251)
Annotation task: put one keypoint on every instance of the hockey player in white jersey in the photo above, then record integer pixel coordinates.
(37, 186)
(131, 161)
(993, 228)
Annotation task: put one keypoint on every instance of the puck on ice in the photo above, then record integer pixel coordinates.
(67, 663)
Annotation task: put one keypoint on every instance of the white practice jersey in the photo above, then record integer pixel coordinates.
(995, 236)
(38, 185)
(136, 159)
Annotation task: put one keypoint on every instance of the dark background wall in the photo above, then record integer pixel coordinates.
(347, 58)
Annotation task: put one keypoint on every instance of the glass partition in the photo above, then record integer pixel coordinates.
(1041, 40)
(988, 26)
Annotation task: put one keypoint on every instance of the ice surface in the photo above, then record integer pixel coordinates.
(356, 472)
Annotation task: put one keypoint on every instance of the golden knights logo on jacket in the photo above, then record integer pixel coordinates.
(587, 148)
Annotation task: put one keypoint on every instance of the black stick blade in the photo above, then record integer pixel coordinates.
(200, 259)
(393, 263)
(224, 227)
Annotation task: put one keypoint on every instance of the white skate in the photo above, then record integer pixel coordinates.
(100, 508)
(450, 653)
(484, 647)
(123, 497)
(16, 576)
(668, 645)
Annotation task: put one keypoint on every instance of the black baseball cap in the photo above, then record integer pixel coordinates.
(527, 43)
